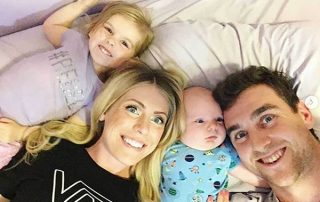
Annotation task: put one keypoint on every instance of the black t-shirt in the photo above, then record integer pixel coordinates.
(65, 173)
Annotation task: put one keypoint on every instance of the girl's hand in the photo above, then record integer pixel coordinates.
(11, 131)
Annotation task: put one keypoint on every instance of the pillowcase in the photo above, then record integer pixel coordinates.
(207, 52)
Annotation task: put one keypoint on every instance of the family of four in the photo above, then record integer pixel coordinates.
(147, 138)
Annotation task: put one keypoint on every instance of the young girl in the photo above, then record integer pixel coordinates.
(57, 83)
(196, 167)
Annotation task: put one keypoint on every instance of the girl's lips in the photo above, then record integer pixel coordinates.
(105, 51)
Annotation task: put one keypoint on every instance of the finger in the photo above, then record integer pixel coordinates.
(5, 120)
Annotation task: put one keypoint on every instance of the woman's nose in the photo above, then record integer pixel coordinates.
(141, 126)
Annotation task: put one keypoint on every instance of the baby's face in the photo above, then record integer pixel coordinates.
(204, 122)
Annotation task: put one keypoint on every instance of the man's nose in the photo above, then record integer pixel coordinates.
(259, 140)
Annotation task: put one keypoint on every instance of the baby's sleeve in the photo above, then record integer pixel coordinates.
(235, 160)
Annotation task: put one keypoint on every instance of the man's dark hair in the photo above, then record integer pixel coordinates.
(228, 90)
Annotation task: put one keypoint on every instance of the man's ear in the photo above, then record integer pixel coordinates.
(305, 114)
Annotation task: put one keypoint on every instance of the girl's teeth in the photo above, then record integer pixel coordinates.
(133, 143)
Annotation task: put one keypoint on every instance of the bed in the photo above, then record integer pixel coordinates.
(206, 39)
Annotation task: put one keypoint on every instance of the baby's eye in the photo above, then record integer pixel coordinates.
(199, 121)
(220, 120)
(132, 109)
(124, 43)
(158, 120)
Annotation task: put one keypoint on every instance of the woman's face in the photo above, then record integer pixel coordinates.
(133, 126)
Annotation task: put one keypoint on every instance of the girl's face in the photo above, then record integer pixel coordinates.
(133, 127)
(113, 42)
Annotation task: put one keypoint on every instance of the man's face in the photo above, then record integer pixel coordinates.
(272, 140)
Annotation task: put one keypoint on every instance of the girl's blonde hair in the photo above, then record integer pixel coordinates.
(148, 170)
(133, 13)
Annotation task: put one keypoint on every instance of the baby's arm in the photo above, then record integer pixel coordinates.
(61, 20)
(243, 174)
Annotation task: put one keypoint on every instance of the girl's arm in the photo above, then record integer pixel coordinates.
(243, 174)
(11, 131)
(61, 20)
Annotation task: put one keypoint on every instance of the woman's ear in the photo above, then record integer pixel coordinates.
(101, 117)
(305, 114)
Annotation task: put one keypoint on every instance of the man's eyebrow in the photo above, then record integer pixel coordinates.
(262, 109)
(232, 128)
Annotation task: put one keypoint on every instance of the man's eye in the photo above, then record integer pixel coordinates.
(124, 43)
(132, 109)
(199, 121)
(158, 120)
(240, 136)
(267, 119)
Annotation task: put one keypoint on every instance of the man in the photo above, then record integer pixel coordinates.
(272, 131)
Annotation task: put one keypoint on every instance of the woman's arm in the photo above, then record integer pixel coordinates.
(243, 174)
(61, 20)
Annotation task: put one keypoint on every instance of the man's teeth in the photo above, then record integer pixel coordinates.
(274, 157)
(133, 143)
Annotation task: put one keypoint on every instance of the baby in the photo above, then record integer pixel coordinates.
(196, 167)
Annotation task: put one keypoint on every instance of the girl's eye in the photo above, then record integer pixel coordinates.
(132, 109)
(124, 43)
(108, 29)
(158, 120)
(199, 121)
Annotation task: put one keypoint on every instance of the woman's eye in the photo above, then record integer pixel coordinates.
(132, 109)
(199, 121)
(124, 43)
(158, 120)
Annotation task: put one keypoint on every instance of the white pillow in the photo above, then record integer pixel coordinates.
(207, 51)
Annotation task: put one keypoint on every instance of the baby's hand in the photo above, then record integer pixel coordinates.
(223, 196)
(11, 131)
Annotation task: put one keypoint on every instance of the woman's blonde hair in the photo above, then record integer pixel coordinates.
(148, 170)
(133, 13)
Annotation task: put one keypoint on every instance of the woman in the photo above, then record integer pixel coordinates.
(135, 117)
